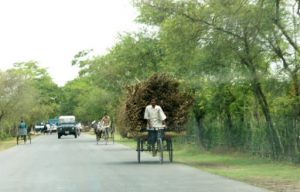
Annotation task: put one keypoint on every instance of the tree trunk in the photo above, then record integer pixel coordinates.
(229, 128)
(296, 136)
(272, 132)
(199, 117)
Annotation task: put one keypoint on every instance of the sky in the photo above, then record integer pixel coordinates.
(51, 32)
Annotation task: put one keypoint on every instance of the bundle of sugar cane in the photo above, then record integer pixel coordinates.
(175, 103)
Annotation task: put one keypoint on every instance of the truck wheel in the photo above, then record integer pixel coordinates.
(59, 136)
(75, 135)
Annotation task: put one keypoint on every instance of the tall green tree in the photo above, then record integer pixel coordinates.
(236, 24)
(18, 97)
(47, 102)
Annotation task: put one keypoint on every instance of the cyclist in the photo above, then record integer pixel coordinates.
(155, 121)
(23, 130)
(106, 123)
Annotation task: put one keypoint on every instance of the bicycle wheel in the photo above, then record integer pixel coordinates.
(97, 138)
(138, 149)
(170, 149)
(106, 136)
(113, 137)
(29, 138)
(160, 150)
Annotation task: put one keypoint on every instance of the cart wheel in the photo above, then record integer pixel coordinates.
(97, 138)
(160, 149)
(29, 138)
(138, 149)
(112, 134)
(170, 149)
(106, 136)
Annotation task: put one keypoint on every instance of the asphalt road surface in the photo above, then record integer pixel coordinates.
(80, 165)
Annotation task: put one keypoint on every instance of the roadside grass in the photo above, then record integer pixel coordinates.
(265, 173)
(7, 143)
(262, 172)
(10, 142)
(128, 142)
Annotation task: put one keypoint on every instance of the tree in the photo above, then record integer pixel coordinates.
(47, 92)
(236, 23)
(15, 102)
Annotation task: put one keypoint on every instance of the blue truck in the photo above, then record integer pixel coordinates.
(53, 124)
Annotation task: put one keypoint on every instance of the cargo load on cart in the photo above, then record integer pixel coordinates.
(175, 102)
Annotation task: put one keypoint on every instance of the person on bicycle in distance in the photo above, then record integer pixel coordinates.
(106, 123)
(155, 117)
(23, 130)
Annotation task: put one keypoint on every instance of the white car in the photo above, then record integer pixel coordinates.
(38, 127)
(53, 128)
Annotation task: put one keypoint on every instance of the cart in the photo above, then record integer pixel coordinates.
(162, 143)
(22, 136)
(107, 134)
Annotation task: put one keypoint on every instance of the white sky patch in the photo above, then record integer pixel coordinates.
(53, 31)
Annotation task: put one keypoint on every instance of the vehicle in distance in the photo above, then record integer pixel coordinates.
(66, 126)
(53, 124)
(38, 127)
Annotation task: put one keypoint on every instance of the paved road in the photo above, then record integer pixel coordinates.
(79, 165)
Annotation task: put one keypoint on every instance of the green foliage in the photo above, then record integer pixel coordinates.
(226, 45)
(241, 59)
(3, 136)
(93, 104)
(27, 92)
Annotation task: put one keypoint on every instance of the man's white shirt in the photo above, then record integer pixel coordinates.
(156, 116)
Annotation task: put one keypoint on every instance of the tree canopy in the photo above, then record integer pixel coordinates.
(240, 59)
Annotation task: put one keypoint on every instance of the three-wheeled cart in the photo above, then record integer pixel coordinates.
(24, 134)
(107, 134)
(162, 144)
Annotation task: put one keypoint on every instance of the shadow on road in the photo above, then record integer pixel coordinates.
(146, 162)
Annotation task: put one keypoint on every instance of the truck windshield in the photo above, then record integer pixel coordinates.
(66, 120)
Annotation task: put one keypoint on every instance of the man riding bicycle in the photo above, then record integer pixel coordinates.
(22, 130)
(155, 121)
(105, 124)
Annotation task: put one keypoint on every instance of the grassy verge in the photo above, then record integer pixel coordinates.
(11, 142)
(276, 176)
(7, 143)
(265, 173)
(125, 141)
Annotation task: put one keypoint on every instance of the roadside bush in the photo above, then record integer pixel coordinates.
(3, 136)
(297, 158)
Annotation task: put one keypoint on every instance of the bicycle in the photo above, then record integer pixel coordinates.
(28, 136)
(102, 132)
(98, 134)
(106, 136)
(158, 146)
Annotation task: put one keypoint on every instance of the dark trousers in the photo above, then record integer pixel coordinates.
(152, 137)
